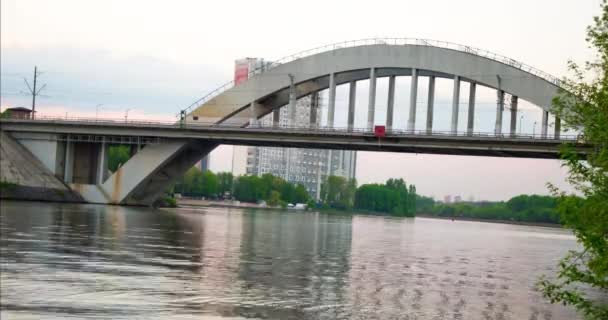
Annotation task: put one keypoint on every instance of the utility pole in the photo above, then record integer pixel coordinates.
(33, 90)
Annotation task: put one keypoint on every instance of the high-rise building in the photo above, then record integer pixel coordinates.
(309, 167)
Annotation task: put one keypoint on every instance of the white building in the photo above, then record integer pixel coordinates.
(308, 167)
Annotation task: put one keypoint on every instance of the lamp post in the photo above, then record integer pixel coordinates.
(534, 130)
(126, 114)
(97, 107)
(521, 119)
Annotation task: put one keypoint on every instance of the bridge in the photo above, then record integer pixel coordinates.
(75, 150)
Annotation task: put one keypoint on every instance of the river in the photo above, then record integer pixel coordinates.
(105, 262)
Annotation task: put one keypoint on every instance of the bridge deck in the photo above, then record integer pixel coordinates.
(475, 144)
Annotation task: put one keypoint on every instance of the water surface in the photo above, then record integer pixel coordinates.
(103, 262)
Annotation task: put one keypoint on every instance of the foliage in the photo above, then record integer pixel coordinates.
(226, 181)
(274, 190)
(117, 156)
(6, 185)
(197, 183)
(393, 197)
(522, 208)
(583, 106)
(338, 192)
(6, 114)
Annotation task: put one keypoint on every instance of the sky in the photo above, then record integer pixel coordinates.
(153, 58)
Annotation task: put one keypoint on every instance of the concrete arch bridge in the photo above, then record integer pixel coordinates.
(230, 115)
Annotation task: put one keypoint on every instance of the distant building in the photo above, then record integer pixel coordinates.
(447, 199)
(18, 113)
(309, 167)
(457, 199)
(204, 163)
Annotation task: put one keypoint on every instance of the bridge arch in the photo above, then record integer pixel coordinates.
(370, 59)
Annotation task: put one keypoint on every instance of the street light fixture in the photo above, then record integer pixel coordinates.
(127, 114)
(97, 107)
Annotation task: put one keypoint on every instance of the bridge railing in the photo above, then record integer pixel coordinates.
(383, 41)
(336, 130)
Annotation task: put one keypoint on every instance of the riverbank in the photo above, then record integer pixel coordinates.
(194, 203)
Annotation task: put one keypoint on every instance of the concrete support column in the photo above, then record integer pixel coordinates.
(331, 103)
(500, 106)
(390, 103)
(253, 119)
(352, 95)
(471, 112)
(371, 106)
(430, 105)
(455, 105)
(276, 117)
(292, 100)
(411, 122)
(314, 106)
(513, 127)
(558, 127)
(545, 124)
(102, 163)
(68, 171)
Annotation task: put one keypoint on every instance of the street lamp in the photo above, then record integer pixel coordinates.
(521, 118)
(127, 114)
(97, 107)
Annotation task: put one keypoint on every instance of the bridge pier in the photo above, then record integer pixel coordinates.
(390, 103)
(68, 169)
(513, 115)
(371, 107)
(331, 102)
(545, 124)
(411, 123)
(352, 95)
(471, 111)
(500, 106)
(430, 105)
(276, 118)
(455, 104)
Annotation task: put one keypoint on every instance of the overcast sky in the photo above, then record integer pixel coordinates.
(155, 57)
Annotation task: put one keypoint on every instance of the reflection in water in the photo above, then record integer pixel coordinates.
(78, 261)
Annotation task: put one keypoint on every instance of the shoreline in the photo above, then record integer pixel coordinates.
(191, 203)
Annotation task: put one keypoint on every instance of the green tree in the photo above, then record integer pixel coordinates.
(117, 156)
(225, 181)
(583, 106)
(300, 194)
(209, 184)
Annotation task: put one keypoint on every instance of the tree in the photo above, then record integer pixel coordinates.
(583, 106)
(209, 184)
(300, 194)
(117, 156)
(225, 182)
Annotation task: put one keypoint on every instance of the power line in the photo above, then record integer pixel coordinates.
(33, 90)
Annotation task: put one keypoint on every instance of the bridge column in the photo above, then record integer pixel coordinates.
(331, 103)
(411, 123)
(371, 107)
(390, 103)
(455, 104)
(276, 117)
(430, 105)
(292, 100)
(314, 105)
(513, 116)
(500, 106)
(352, 94)
(68, 171)
(545, 125)
(558, 127)
(102, 163)
(253, 119)
(471, 112)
